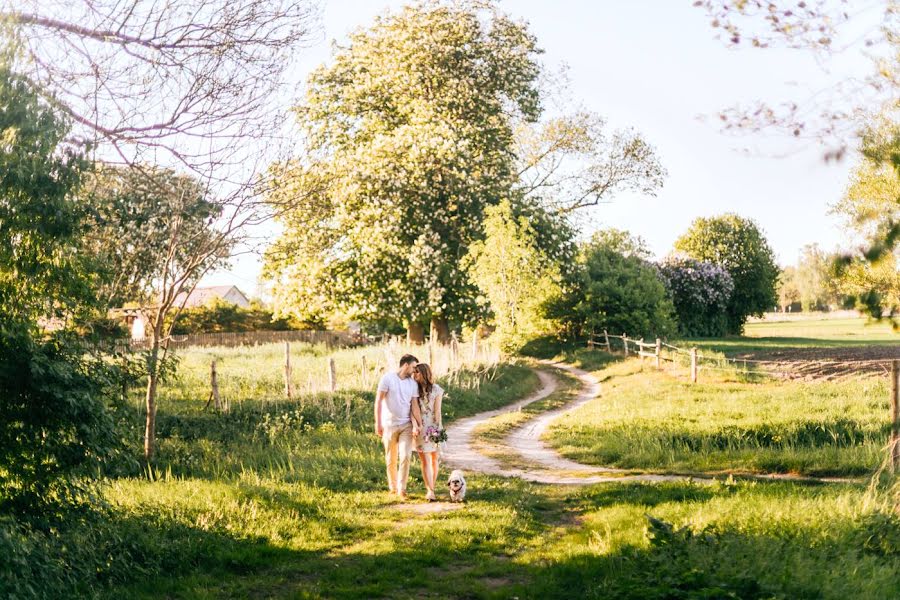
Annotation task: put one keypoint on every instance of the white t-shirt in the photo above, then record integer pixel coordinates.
(400, 392)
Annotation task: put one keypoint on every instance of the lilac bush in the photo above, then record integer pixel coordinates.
(700, 292)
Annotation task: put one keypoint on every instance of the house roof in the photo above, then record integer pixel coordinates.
(202, 295)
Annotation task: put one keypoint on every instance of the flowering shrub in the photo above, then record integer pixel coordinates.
(700, 292)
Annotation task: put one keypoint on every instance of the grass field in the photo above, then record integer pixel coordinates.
(286, 500)
(255, 374)
(662, 423)
(804, 334)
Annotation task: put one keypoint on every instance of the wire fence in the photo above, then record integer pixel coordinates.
(787, 368)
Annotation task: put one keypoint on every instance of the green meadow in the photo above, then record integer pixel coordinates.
(278, 499)
(660, 422)
(804, 334)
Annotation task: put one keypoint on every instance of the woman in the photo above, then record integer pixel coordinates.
(429, 399)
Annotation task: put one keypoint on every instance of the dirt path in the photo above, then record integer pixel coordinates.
(545, 464)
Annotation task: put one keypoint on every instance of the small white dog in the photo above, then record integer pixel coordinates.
(457, 485)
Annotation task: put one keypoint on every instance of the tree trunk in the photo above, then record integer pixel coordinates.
(152, 381)
(152, 384)
(415, 333)
(440, 330)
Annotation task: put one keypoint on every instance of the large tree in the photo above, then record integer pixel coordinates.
(410, 137)
(738, 245)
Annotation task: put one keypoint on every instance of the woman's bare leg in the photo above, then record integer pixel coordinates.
(435, 465)
(426, 468)
(427, 475)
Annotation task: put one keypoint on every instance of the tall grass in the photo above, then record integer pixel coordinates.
(256, 374)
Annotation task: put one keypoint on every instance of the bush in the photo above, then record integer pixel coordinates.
(738, 245)
(700, 292)
(616, 289)
(220, 316)
(54, 426)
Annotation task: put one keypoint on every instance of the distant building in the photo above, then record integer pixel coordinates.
(136, 321)
(202, 295)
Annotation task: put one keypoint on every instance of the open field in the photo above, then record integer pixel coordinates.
(660, 422)
(809, 337)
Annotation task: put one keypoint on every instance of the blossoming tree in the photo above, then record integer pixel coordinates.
(409, 137)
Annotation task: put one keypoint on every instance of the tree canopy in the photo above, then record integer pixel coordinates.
(738, 245)
(613, 287)
(518, 267)
(410, 138)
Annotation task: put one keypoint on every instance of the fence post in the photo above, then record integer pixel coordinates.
(364, 371)
(658, 354)
(625, 342)
(288, 389)
(591, 340)
(693, 365)
(332, 375)
(895, 416)
(214, 385)
(454, 352)
(606, 341)
(641, 351)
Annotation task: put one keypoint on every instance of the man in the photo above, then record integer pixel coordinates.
(396, 418)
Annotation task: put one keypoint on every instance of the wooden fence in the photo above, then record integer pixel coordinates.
(331, 339)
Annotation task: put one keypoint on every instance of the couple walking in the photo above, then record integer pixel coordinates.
(407, 417)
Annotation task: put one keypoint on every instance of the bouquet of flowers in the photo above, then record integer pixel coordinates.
(435, 434)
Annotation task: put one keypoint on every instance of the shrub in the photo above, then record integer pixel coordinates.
(700, 292)
(54, 427)
(616, 289)
(219, 316)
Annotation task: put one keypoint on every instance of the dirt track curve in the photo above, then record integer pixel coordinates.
(545, 465)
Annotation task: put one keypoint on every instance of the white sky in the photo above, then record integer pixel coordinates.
(654, 65)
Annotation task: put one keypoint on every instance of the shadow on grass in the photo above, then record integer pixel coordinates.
(464, 560)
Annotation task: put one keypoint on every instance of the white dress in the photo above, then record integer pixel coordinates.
(426, 406)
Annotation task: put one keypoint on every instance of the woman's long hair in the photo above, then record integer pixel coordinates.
(427, 383)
